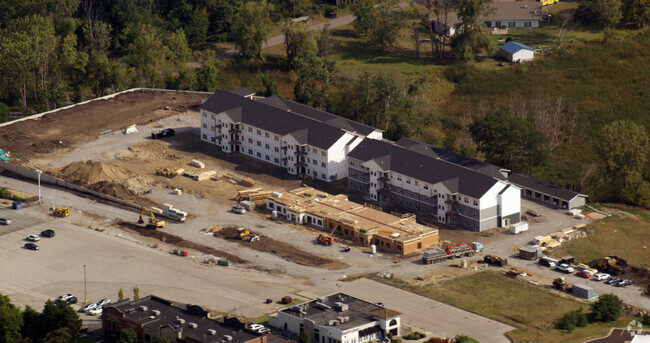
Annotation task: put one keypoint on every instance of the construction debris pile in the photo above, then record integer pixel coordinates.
(556, 239)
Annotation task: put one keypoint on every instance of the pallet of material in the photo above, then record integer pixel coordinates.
(205, 175)
(197, 164)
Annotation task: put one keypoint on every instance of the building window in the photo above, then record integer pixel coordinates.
(322, 164)
(267, 135)
(259, 154)
(277, 161)
(267, 146)
(475, 203)
(528, 24)
(259, 132)
(315, 162)
(250, 152)
(399, 178)
(323, 153)
(250, 140)
(277, 149)
(250, 129)
(268, 158)
(259, 143)
(277, 138)
(315, 150)
(511, 24)
(426, 186)
(315, 173)
(214, 140)
(466, 199)
(205, 136)
(322, 176)
(488, 24)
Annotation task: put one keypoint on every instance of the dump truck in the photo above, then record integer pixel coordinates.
(495, 260)
(612, 265)
(163, 133)
(61, 212)
(153, 223)
(561, 284)
(243, 233)
(325, 239)
(451, 251)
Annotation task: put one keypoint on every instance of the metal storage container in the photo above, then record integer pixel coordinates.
(530, 253)
(583, 291)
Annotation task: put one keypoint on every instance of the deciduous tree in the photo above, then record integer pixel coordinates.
(10, 321)
(378, 22)
(608, 308)
(250, 28)
(298, 39)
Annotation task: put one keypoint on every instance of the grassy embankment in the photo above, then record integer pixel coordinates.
(513, 302)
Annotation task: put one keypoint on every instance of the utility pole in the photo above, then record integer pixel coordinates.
(40, 201)
(537, 327)
(85, 298)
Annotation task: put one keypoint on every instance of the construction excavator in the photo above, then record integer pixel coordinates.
(243, 233)
(153, 223)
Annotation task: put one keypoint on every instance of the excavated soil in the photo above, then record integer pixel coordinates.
(63, 130)
(283, 250)
(180, 242)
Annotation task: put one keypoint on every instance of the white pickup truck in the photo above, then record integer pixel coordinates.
(565, 268)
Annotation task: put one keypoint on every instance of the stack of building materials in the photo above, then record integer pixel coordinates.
(173, 213)
(197, 164)
(130, 129)
(255, 195)
(205, 175)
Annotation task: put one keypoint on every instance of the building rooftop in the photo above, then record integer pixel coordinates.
(427, 167)
(512, 47)
(506, 10)
(544, 187)
(191, 320)
(341, 311)
(338, 207)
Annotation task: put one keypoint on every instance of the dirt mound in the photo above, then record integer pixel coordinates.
(90, 172)
(641, 278)
(283, 250)
(180, 242)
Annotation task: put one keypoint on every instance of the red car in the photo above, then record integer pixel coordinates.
(585, 274)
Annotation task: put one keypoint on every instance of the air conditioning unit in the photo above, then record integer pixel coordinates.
(180, 320)
(143, 308)
(212, 332)
(227, 337)
(156, 312)
(194, 325)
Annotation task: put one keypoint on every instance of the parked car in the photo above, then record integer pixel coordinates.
(548, 262)
(565, 268)
(88, 307)
(612, 280)
(5, 221)
(103, 302)
(624, 283)
(239, 209)
(95, 311)
(72, 300)
(601, 276)
(65, 297)
(33, 238)
(48, 233)
(330, 14)
(163, 133)
(31, 246)
(585, 274)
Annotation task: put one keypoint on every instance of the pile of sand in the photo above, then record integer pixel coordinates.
(103, 178)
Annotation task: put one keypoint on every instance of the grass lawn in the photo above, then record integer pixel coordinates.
(494, 295)
(623, 234)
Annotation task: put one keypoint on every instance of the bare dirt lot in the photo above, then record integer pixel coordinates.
(60, 131)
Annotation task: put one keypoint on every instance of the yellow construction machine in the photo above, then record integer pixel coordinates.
(153, 222)
(243, 233)
(61, 212)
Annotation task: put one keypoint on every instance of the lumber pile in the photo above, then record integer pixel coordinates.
(255, 195)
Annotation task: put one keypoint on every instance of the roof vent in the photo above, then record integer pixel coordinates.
(180, 320)
(142, 308)
(212, 332)
(334, 322)
(342, 307)
(152, 317)
(322, 306)
(227, 338)
(194, 325)
(156, 312)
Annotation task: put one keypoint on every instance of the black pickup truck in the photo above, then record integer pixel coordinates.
(163, 133)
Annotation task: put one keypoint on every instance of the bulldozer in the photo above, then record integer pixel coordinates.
(562, 285)
(612, 265)
(243, 233)
(153, 223)
(61, 212)
(325, 239)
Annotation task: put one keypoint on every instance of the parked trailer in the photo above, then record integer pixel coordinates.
(451, 251)
(495, 260)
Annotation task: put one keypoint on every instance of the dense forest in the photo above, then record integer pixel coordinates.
(560, 118)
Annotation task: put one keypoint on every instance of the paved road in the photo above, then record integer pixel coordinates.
(279, 39)
(430, 315)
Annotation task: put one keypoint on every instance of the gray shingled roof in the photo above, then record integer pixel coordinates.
(513, 10)
(464, 161)
(329, 118)
(273, 119)
(424, 167)
(242, 91)
(543, 187)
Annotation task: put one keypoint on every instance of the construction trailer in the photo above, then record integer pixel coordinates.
(583, 291)
(530, 253)
(495, 260)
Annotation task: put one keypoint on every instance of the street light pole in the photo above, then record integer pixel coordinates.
(85, 298)
(537, 326)
(40, 201)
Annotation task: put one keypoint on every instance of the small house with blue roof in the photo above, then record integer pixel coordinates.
(516, 52)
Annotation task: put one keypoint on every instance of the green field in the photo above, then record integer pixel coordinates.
(624, 234)
(496, 296)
